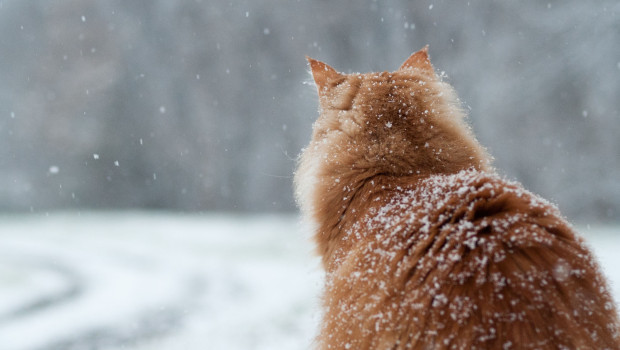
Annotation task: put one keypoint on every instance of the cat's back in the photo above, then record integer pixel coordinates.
(468, 261)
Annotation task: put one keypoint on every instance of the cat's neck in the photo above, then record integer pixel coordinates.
(345, 204)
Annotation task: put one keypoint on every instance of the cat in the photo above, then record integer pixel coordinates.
(423, 244)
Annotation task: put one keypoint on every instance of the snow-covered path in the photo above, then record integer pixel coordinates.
(137, 281)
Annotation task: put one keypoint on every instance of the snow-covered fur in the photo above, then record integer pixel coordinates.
(424, 246)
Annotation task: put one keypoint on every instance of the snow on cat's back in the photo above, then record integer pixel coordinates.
(424, 246)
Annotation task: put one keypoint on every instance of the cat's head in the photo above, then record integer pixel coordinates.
(402, 123)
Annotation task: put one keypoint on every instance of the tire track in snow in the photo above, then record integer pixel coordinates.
(150, 324)
(73, 287)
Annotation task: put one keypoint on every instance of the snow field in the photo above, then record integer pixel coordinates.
(144, 281)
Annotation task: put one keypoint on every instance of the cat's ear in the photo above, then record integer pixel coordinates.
(419, 61)
(322, 73)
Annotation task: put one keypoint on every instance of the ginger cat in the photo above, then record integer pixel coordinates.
(424, 245)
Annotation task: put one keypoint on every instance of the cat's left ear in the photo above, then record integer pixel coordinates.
(322, 74)
(419, 61)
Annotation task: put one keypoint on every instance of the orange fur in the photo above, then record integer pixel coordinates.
(424, 246)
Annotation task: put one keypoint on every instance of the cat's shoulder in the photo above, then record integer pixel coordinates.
(469, 197)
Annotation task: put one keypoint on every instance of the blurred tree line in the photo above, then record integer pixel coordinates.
(203, 105)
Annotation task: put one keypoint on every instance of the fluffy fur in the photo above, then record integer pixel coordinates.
(424, 246)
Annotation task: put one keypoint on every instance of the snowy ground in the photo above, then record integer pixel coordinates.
(137, 281)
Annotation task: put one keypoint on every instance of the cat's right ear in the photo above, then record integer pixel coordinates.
(322, 74)
(419, 61)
